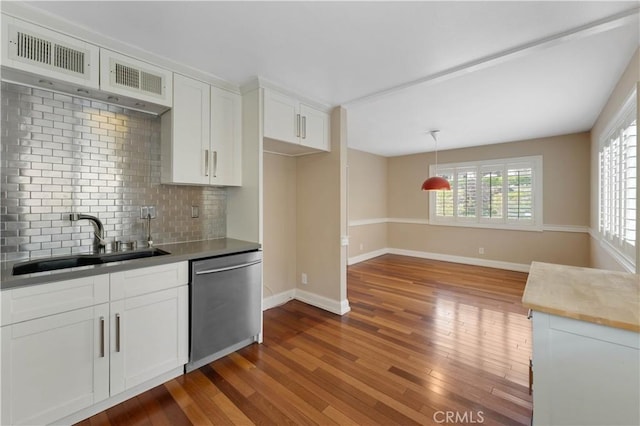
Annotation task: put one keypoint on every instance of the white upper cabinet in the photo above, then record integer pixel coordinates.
(286, 119)
(48, 54)
(202, 135)
(126, 76)
(226, 138)
(281, 117)
(186, 133)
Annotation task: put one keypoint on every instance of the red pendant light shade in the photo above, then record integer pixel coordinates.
(436, 183)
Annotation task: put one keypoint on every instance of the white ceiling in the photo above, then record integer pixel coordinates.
(539, 68)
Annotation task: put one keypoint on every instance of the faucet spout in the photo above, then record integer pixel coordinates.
(98, 240)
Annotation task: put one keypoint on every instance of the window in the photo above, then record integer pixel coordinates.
(504, 193)
(618, 177)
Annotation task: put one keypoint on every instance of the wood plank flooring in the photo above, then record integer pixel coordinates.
(426, 342)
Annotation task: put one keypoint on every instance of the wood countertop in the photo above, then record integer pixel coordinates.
(594, 295)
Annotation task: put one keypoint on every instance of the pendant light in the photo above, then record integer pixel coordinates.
(436, 183)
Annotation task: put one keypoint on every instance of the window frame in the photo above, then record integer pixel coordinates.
(503, 222)
(617, 243)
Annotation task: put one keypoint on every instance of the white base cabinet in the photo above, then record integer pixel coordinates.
(54, 366)
(69, 345)
(584, 373)
(148, 337)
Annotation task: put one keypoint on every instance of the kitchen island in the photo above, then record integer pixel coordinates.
(586, 345)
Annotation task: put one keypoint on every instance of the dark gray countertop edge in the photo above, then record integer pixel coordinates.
(179, 252)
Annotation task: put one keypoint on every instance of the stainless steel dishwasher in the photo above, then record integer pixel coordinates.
(226, 305)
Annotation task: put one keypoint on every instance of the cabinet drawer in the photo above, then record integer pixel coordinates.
(147, 280)
(22, 304)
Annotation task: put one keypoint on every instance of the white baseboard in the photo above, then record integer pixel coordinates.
(278, 299)
(331, 305)
(519, 267)
(366, 256)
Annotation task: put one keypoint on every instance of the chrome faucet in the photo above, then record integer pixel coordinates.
(98, 234)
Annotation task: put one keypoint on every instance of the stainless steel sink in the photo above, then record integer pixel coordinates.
(64, 262)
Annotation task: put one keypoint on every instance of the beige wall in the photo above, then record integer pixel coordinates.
(367, 200)
(367, 185)
(566, 177)
(321, 215)
(629, 80)
(279, 181)
(565, 174)
(565, 202)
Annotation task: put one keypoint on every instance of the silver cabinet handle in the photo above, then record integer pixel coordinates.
(298, 125)
(117, 332)
(215, 163)
(101, 337)
(530, 376)
(228, 268)
(529, 314)
(304, 127)
(206, 162)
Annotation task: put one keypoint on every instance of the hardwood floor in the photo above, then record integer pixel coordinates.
(426, 342)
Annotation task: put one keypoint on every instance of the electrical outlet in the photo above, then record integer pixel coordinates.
(195, 212)
(361, 246)
(146, 211)
(481, 250)
(303, 279)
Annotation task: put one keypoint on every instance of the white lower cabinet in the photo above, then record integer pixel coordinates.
(148, 337)
(584, 373)
(55, 365)
(60, 363)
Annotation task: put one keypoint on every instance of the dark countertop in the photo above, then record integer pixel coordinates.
(178, 252)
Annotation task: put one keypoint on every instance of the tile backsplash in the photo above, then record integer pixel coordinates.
(62, 154)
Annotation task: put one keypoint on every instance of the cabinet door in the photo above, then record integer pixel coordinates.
(315, 128)
(190, 131)
(149, 337)
(281, 117)
(226, 138)
(54, 366)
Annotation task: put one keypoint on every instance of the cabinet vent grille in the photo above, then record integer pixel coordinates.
(135, 78)
(151, 83)
(127, 76)
(45, 52)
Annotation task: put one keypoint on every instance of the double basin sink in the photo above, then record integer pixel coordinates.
(64, 262)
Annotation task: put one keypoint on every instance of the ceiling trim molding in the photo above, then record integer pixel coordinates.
(581, 32)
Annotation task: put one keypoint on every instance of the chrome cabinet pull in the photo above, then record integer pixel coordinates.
(304, 127)
(206, 162)
(117, 332)
(215, 163)
(530, 376)
(298, 125)
(101, 337)
(529, 314)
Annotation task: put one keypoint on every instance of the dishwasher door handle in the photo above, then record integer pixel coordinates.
(228, 268)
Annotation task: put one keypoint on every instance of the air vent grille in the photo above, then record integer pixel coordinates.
(127, 76)
(34, 48)
(45, 52)
(151, 83)
(68, 59)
